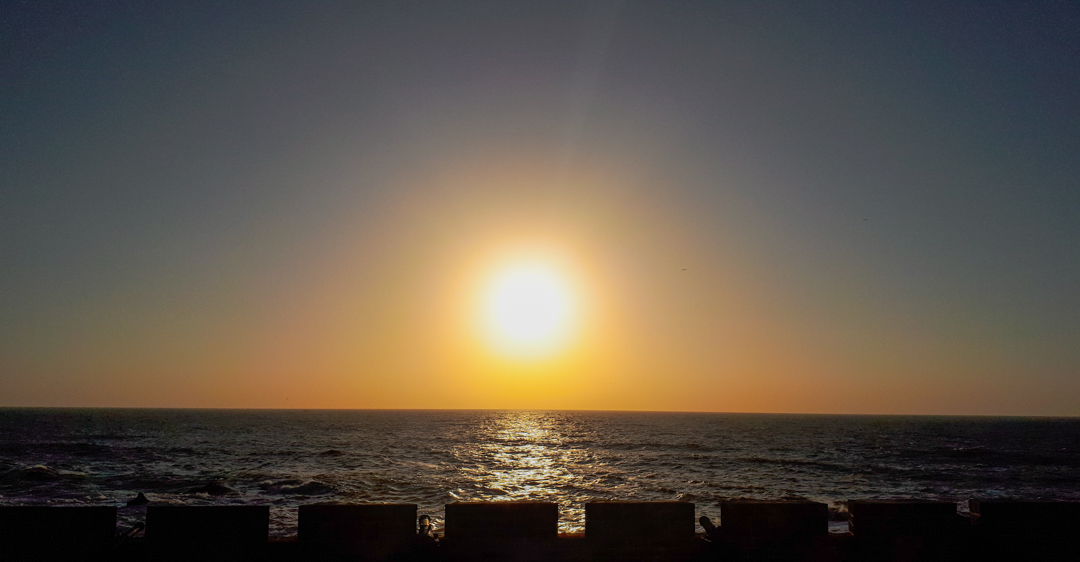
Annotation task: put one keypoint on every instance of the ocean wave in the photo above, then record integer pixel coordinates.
(832, 466)
(296, 488)
(42, 473)
(213, 489)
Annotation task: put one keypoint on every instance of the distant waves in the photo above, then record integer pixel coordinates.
(288, 458)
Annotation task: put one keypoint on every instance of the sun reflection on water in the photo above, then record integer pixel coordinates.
(527, 466)
(522, 456)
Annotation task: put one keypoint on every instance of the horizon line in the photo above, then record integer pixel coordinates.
(822, 414)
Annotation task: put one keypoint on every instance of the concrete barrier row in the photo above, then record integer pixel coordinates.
(632, 524)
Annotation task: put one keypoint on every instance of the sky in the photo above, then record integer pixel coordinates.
(826, 207)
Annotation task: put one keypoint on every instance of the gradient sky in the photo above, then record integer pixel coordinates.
(292, 204)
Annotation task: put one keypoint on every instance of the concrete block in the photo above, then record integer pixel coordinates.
(208, 528)
(500, 521)
(786, 519)
(1025, 517)
(639, 521)
(375, 529)
(48, 532)
(902, 517)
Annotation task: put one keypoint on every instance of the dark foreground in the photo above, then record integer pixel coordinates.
(527, 531)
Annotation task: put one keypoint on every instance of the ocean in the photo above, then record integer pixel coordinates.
(286, 458)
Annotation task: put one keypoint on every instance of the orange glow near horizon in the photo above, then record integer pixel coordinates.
(480, 283)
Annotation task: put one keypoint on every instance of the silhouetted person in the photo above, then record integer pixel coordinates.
(427, 530)
(713, 532)
(719, 549)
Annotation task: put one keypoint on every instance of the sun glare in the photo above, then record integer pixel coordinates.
(528, 309)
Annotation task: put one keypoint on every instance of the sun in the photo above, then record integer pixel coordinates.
(528, 309)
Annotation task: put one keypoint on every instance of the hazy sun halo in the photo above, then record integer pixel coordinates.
(528, 309)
